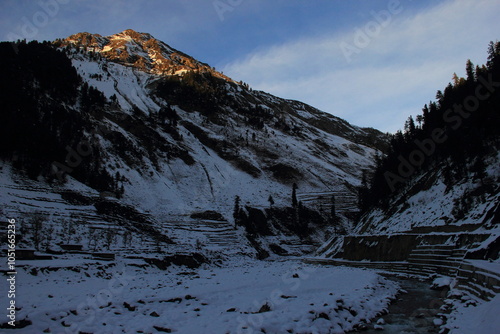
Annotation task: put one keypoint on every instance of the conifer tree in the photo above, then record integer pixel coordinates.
(271, 201)
(294, 195)
(236, 211)
(469, 70)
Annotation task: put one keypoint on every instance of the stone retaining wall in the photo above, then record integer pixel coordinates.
(398, 247)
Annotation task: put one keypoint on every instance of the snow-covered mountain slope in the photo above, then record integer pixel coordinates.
(232, 156)
(429, 205)
(175, 138)
(436, 192)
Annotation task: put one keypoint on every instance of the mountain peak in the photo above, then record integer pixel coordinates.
(140, 50)
(134, 34)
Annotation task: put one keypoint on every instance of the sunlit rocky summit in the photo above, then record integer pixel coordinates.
(140, 50)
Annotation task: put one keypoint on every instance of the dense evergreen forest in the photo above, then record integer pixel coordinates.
(46, 114)
(456, 132)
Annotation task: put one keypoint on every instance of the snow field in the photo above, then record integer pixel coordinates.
(243, 297)
(466, 317)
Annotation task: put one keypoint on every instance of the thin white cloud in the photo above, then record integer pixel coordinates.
(391, 76)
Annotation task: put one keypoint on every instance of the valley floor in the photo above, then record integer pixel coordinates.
(129, 296)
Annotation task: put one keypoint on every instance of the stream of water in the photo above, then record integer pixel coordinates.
(414, 311)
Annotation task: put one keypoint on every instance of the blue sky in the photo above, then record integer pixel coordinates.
(373, 63)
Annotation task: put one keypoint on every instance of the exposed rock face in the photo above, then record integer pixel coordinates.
(142, 51)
